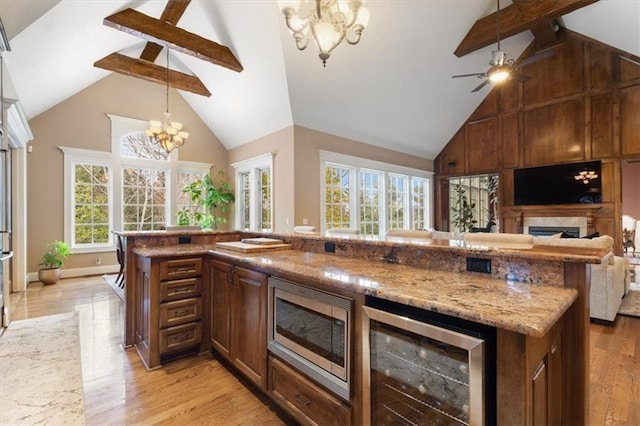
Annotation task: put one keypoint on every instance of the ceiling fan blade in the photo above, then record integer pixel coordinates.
(477, 74)
(521, 77)
(535, 58)
(484, 83)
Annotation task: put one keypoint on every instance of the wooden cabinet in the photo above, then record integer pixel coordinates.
(303, 399)
(168, 308)
(239, 318)
(541, 398)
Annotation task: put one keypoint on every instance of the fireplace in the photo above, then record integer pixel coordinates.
(547, 231)
(547, 226)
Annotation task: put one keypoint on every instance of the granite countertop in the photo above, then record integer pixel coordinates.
(529, 309)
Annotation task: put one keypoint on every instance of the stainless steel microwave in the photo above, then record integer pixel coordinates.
(311, 330)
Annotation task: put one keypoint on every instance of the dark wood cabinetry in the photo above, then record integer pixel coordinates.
(580, 105)
(303, 399)
(239, 318)
(169, 308)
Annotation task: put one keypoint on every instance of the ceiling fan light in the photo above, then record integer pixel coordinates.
(498, 74)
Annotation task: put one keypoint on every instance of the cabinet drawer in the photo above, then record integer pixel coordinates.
(180, 337)
(180, 268)
(180, 289)
(180, 312)
(309, 403)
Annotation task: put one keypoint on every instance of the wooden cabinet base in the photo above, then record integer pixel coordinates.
(303, 399)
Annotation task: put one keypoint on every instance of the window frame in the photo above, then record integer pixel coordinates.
(116, 162)
(358, 165)
(253, 166)
(73, 157)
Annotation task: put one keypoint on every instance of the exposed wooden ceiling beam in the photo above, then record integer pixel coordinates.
(154, 30)
(149, 71)
(515, 19)
(544, 32)
(171, 14)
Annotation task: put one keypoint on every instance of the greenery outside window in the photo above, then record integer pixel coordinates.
(143, 183)
(473, 202)
(254, 193)
(384, 199)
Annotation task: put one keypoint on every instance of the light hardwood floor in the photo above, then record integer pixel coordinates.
(118, 390)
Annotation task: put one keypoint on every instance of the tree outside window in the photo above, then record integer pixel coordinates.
(91, 201)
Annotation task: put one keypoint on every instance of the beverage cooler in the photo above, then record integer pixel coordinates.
(425, 368)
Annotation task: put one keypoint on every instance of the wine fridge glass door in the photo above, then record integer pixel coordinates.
(421, 374)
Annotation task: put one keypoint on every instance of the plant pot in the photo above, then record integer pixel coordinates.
(49, 276)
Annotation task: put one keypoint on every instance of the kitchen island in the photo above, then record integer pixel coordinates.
(536, 299)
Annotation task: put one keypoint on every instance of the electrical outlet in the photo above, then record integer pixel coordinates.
(305, 221)
(98, 261)
(475, 264)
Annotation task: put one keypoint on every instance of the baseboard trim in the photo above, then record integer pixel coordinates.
(80, 272)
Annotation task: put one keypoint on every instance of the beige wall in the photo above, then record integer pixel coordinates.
(81, 122)
(630, 192)
(308, 142)
(280, 144)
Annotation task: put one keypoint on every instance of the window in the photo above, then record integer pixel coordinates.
(254, 192)
(370, 187)
(387, 197)
(136, 186)
(92, 204)
(473, 201)
(396, 201)
(419, 202)
(337, 197)
(143, 199)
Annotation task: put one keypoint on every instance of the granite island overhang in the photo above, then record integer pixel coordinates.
(543, 291)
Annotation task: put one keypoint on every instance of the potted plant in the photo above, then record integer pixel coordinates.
(206, 198)
(53, 261)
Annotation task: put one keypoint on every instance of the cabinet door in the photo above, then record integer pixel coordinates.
(249, 326)
(220, 306)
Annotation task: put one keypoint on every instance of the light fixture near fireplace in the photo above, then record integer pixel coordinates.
(586, 175)
(167, 133)
(329, 22)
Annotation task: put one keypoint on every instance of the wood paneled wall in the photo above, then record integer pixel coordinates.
(581, 104)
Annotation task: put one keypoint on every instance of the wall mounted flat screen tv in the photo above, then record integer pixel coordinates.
(558, 184)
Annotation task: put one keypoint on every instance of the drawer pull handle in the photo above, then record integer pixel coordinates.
(182, 290)
(183, 269)
(182, 337)
(302, 400)
(181, 312)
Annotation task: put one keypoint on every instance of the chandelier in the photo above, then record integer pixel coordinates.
(167, 133)
(585, 176)
(327, 21)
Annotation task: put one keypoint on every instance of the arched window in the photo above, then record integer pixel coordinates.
(136, 186)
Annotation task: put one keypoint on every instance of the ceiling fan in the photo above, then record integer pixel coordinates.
(502, 68)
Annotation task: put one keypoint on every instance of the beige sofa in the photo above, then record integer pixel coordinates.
(609, 281)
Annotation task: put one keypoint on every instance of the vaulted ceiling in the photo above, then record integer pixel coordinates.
(394, 89)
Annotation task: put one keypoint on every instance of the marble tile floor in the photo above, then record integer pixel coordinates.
(40, 372)
(118, 390)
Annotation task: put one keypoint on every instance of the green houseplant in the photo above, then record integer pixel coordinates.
(206, 198)
(462, 210)
(53, 261)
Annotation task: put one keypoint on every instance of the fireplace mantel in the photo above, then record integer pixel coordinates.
(588, 211)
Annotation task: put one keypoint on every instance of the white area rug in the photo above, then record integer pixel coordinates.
(631, 302)
(41, 372)
(111, 280)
